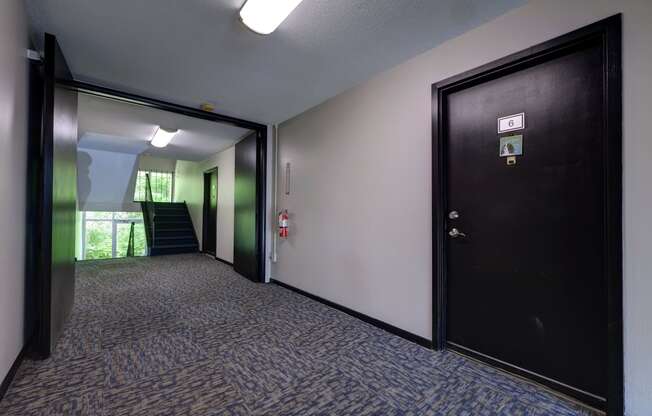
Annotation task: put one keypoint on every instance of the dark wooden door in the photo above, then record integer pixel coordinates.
(246, 259)
(56, 276)
(210, 212)
(526, 250)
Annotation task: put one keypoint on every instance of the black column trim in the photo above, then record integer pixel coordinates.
(417, 339)
(12, 372)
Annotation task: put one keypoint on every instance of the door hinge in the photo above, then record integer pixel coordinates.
(33, 55)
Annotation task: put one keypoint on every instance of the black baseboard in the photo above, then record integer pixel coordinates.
(368, 319)
(12, 373)
(224, 261)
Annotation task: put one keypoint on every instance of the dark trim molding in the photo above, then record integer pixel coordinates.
(106, 92)
(224, 261)
(368, 319)
(608, 31)
(12, 372)
(261, 202)
(205, 212)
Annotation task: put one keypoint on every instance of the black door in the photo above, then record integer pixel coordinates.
(526, 216)
(210, 212)
(56, 276)
(249, 197)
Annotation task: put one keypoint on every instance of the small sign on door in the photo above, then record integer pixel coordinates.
(511, 123)
(511, 146)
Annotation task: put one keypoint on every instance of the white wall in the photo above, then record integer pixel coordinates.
(156, 164)
(360, 204)
(106, 180)
(13, 159)
(189, 186)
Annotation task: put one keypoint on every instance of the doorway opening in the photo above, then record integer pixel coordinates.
(209, 243)
(147, 206)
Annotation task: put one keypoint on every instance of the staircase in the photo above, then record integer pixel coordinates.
(168, 228)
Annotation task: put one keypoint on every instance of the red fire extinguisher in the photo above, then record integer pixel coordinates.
(283, 220)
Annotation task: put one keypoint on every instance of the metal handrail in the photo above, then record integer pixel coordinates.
(130, 245)
(148, 189)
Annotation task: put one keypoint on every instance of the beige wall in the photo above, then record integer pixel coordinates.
(189, 184)
(13, 159)
(157, 164)
(360, 202)
(188, 188)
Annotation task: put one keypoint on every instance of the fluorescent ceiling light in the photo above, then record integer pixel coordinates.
(162, 137)
(264, 16)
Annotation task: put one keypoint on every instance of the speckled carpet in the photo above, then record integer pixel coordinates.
(185, 335)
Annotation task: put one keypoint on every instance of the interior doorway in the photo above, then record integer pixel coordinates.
(527, 214)
(55, 174)
(209, 240)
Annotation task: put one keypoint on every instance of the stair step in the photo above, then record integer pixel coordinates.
(175, 231)
(172, 209)
(174, 249)
(172, 224)
(175, 245)
(171, 230)
(165, 241)
(168, 218)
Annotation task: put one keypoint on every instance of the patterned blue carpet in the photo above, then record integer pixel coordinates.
(185, 335)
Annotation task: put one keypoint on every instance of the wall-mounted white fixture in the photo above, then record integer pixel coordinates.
(264, 16)
(162, 137)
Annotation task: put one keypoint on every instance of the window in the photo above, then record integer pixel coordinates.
(105, 235)
(162, 186)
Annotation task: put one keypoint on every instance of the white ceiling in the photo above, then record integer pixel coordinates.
(192, 51)
(106, 124)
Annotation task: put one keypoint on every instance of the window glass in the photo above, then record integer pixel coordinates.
(106, 234)
(122, 242)
(161, 183)
(98, 240)
(92, 215)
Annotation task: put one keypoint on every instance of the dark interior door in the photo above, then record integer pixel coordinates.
(210, 212)
(526, 266)
(246, 259)
(59, 199)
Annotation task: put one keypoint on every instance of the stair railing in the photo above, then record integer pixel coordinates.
(148, 189)
(130, 245)
(150, 206)
(148, 213)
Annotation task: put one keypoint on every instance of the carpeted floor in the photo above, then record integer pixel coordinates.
(185, 335)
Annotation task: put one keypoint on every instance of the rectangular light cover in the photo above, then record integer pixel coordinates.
(162, 137)
(264, 16)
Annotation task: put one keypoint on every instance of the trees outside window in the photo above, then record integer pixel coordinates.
(106, 234)
(162, 184)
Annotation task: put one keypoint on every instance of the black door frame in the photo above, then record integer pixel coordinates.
(261, 145)
(609, 32)
(205, 212)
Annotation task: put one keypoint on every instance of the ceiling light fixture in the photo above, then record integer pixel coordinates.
(264, 16)
(162, 137)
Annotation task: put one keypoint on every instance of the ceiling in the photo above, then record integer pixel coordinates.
(195, 51)
(106, 124)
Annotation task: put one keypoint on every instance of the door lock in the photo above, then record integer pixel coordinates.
(455, 233)
(453, 215)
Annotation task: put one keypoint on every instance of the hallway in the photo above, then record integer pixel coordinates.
(184, 334)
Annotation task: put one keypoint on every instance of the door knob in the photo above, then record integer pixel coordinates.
(455, 233)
